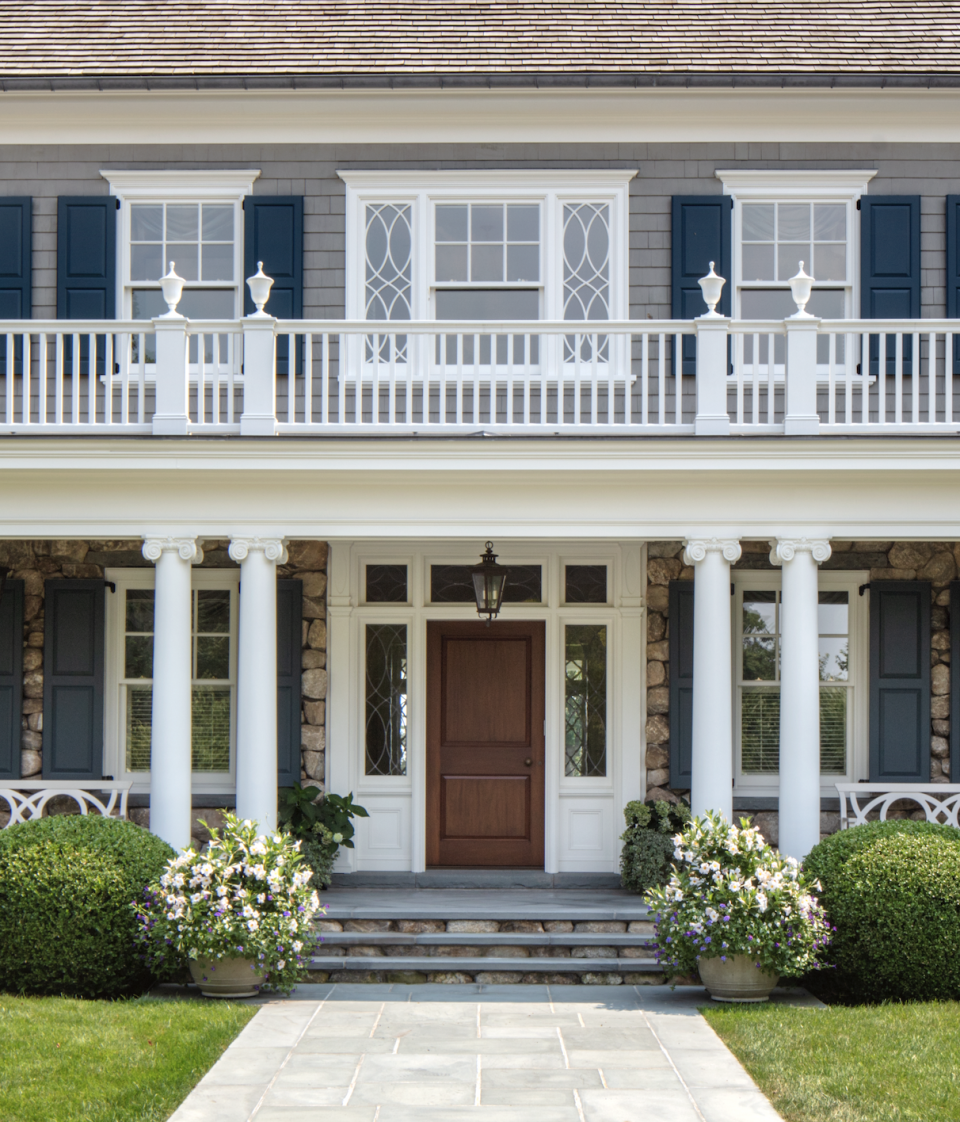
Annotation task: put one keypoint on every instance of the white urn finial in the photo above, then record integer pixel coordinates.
(172, 288)
(801, 286)
(260, 285)
(711, 286)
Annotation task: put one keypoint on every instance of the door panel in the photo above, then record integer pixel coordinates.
(485, 749)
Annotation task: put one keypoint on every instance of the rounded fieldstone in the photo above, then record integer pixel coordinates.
(662, 570)
(656, 674)
(366, 926)
(658, 597)
(32, 658)
(600, 927)
(659, 650)
(657, 729)
(594, 952)
(313, 765)
(656, 626)
(473, 926)
(940, 680)
(940, 569)
(312, 609)
(314, 584)
(940, 707)
(30, 763)
(939, 746)
(317, 635)
(314, 684)
(941, 728)
(663, 549)
(315, 712)
(909, 555)
(448, 978)
(31, 741)
(601, 979)
(658, 756)
(497, 978)
(311, 556)
(313, 738)
(658, 777)
(940, 641)
(558, 926)
(658, 700)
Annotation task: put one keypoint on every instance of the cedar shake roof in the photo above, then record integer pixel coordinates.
(477, 42)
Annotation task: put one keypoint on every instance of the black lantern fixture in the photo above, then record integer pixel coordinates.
(489, 579)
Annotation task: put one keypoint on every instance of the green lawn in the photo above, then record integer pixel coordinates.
(63, 1060)
(881, 1063)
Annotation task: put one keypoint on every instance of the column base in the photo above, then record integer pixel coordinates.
(264, 424)
(706, 425)
(802, 425)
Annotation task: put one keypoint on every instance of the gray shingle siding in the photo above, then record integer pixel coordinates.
(45, 172)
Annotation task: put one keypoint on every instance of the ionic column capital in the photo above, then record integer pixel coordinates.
(273, 549)
(696, 549)
(187, 549)
(785, 549)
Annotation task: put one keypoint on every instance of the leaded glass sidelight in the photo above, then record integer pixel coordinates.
(388, 274)
(585, 700)
(586, 275)
(385, 707)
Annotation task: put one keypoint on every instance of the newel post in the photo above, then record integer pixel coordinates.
(172, 413)
(712, 329)
(259, 416)
(800, 384)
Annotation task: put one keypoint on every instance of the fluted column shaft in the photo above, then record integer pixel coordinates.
(799, 693)
(171, 725)
(712, 737)
(257, 679)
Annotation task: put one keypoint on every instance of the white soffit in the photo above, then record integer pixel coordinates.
(477, 116)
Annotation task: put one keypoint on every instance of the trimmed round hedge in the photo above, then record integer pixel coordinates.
(892, 890)
(66, 885)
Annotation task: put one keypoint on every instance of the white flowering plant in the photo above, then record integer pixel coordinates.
(247, 895)
(732, 894)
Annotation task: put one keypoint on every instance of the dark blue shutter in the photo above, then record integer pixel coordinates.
(289, 616)
(900, 681)
(953, 271)
(73, 679)
(273, 234)
(86, 257)
(16, 255)
(11, 677)
(955, 681)
(701, 233)
(890, 269)
(681, 683)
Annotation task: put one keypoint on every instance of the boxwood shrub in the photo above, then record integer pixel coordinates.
(892, 890)
(66, 885)
(647, 842)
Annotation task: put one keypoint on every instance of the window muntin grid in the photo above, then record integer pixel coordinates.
(385, 699)
(213, 686)
(585, 700)
(759, 687)
(487, 243)
(199, 237)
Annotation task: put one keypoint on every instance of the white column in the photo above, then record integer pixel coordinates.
(171, 729)
(712, 761)
(257, 679)
(799, 693)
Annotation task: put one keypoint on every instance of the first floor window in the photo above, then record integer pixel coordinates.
(758, 658)
(585, 700)
(212, 671)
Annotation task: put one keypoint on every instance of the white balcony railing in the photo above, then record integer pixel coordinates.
(261, 376)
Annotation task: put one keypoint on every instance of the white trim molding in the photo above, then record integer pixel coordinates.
(696, 549)
(785, 549)
(188, 549)
(274, 549)
(777, 183)
(210, 183)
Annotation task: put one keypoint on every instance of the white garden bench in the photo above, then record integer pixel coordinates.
(28, 798)
(940, 802)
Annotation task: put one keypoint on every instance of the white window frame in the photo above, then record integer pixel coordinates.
(848, 581)
(208, 186)
(114, 748)
(424, 191)
(751, 186)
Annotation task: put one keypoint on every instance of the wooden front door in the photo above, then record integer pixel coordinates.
(485, 711)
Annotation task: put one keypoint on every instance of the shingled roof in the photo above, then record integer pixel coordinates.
(477, 42)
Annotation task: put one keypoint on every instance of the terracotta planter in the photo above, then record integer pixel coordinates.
(737, 979)
(226, 977)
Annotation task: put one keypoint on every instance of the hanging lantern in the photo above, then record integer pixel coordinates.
(489, 579)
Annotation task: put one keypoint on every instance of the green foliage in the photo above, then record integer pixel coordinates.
(892, 889)
(336, 812)
(64, 1060)
(248, 895)
(66, 884)
(731, 894)
(647, 845)
(321, 827)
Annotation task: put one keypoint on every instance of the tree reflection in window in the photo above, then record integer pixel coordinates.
(386, 699)
(585, 709)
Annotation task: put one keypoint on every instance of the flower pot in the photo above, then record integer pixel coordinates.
(736, 979)
(226, 977)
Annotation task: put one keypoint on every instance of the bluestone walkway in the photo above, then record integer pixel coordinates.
(517, 1053)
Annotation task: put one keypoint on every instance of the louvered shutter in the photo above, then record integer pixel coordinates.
(681, 683)
(890, 269)
(16, 257)
(289, 615)
(73, 679)
(953, 271)
(273, 234)
(11, 677)
(701, 233)
(900, 681)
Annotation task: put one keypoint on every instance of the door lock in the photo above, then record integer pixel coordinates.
(528, 762)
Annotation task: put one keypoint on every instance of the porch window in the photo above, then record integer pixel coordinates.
(759, 685)
(585, 700)
(385, 708)
(213, 657)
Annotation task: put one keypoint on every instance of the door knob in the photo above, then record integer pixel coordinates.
(528, 762)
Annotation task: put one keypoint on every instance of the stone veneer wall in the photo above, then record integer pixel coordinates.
(936, 562)
(35, 562)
